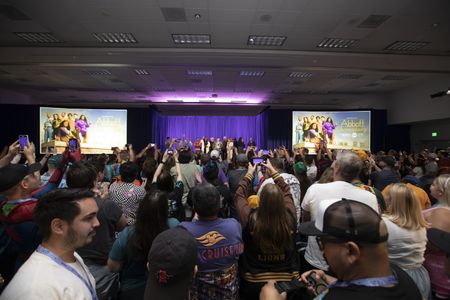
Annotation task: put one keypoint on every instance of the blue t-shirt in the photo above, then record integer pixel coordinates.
(134, 271)
(219, 242)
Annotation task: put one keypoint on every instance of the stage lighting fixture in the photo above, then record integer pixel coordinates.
(440, 94)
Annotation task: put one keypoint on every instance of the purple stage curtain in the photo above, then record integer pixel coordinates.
(210, 126)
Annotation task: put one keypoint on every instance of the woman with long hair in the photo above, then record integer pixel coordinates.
(439, 217)
(268, 234)
(407, 235)
(129, 252)
(328, 130)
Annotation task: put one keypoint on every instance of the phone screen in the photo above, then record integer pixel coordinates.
(23, 141)
(257, 160)
(265, 152)
(73, 145)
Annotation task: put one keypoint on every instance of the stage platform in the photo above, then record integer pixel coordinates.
(86, 148)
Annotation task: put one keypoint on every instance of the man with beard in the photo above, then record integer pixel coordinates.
(67, 220)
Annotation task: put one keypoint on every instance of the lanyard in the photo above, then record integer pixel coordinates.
(60, 262)
(370, 282)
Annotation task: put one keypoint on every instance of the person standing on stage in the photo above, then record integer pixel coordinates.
(67, 220)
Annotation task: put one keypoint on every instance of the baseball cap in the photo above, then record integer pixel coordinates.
(346, 219)
(214, 154)
(300, 168)
(440, 239)
(12, 174)
(171, 260)
(242, 158)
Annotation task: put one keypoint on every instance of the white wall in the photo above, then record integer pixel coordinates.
(415, 105)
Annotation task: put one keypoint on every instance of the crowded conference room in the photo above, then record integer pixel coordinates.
(239, 149)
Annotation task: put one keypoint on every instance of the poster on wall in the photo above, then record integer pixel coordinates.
(97, 130)
(336, 129)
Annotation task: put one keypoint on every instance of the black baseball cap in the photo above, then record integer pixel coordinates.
(12, 174)
(171, 262)
(348, 220)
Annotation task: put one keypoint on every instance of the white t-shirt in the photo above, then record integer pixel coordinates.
(294, 186)
(42, 278)
(406, 248)
(322, 191)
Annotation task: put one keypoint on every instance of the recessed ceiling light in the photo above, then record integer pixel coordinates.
(191, 38)
(252, 73)
(406, 45)
(300, 75)
(97, 72)
(203, 90)
(197, 16)
(38, 37)
(263, 40)
(115, 37)
(199, 73)
(141, 72)
(336, 43)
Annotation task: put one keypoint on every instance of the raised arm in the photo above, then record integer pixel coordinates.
(240, 197)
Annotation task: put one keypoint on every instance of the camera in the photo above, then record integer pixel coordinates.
(170, 151)
(289, 286)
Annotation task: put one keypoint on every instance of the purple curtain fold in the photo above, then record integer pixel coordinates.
(209, 126)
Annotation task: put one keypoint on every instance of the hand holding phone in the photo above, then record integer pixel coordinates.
(73, 145)
(289, 286)
(23, 142)
(318, 284)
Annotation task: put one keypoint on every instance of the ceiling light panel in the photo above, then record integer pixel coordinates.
(97, 72)
(38, 37)
(406, 45)
(141, 72)
(300, 75)
(263, 40)
(336, 43)
(115, 37)
(252, 73)
(191, 38)
(199, 73)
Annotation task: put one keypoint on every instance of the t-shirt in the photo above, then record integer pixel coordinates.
(42, 278)
(134, 271)
(127, 196)
(383, 178)
(219, 242)
(406, 248)
(97, 251)
(405, 289)
(322, 191)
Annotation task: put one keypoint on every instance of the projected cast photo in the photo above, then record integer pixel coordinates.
(338, 130)
(95, 128)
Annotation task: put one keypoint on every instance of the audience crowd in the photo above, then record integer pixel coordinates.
(222, 219)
